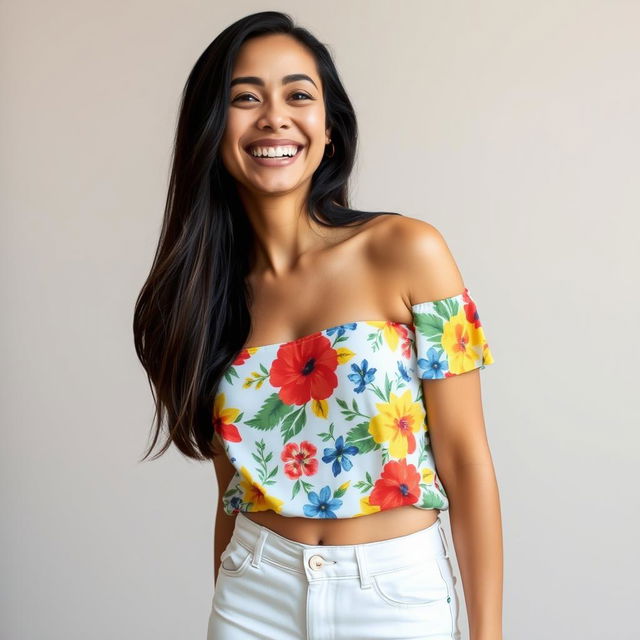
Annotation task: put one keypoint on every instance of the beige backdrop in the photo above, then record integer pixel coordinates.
(511, 126)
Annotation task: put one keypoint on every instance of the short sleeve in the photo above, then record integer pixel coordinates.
(450, 338)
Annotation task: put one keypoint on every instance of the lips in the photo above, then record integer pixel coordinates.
(273, 142)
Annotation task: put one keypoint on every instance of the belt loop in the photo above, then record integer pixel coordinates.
(444, 540)
(257, 551)
(365, 581)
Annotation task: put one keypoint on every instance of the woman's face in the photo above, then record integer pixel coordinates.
(261, 107)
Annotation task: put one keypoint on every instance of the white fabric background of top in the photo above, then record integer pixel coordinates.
(511, 126)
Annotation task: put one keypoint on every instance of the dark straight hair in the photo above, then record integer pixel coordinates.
(191, 317)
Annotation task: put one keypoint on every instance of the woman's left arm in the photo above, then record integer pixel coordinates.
(464, 465)
(427, 271)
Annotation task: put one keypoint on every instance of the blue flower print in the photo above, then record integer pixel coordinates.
(434, 368)
(341, 329)
(362, 376)
(339, 456)
(403, 371)
(321, 506)
(235, 502)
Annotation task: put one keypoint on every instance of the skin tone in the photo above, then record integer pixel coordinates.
(295, 254)
(274, 197)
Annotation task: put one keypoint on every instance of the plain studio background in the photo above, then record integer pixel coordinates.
(511, 126)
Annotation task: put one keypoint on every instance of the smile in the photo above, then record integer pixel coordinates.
(273, 160)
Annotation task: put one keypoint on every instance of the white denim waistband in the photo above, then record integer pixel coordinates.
(340, 561)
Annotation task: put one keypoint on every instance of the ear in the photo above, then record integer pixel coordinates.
(328, 132)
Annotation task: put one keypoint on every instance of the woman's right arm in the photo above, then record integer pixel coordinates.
(224, 523)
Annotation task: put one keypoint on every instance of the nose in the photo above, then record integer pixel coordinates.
(273, 116)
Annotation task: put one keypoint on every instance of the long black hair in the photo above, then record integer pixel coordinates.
(191, 317)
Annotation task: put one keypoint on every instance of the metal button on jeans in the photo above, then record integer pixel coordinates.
(315, 562)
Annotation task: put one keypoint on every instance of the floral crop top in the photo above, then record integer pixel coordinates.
(333, 424)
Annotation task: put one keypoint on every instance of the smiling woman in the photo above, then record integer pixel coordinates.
(288, 107)
(296, 342)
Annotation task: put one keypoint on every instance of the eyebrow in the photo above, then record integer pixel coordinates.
(293, 77)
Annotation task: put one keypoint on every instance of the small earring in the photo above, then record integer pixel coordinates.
(333, 152)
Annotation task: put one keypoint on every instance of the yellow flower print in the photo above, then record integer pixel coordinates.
(256, 494)
(463, 343)
(487, 356)
(396, 423)
(320, 408)
(344, 486)
(366, 508)
(428, 475)
(389, 332)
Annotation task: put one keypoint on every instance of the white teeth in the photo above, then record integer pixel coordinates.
(274, 152)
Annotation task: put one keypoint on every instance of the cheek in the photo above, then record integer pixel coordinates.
(314, 127)
(229, 145)
(314, 121)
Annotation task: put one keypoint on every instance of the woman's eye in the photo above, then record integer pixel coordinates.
(244, 95)
(248, 95)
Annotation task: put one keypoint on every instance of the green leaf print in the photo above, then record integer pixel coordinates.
(361, 438)
(383, 395)
(350, 414)
(307, 486)
(230, 373)
(446, 308)
(338, 340)
(341, 490)
(327, 436)
(387, 386)
(424, 451)
(430, 499)
(429, 325)
(271, 474)
(364, 485)
(230, 492)
(272, 411)
(256, 378)
(375, 340)
(293, 424)
(266, 477)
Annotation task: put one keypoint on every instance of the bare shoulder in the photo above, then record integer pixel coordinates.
(418, 253)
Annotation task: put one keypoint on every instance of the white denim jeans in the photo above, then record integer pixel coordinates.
(270, 587)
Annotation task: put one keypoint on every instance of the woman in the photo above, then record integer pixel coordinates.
(298, 343)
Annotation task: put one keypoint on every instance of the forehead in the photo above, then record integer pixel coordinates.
(273, 56)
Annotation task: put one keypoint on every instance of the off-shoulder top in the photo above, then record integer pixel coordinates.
(334, 424)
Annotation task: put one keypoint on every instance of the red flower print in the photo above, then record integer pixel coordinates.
(299, 459)
(399, 484)
(222, 419)
(399, 328)
(406, 348)
(470, 309)
(242, 357)
(405, 341)
(305, 370)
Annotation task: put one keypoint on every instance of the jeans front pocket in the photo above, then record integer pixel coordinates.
(234, 559)
(418, 584)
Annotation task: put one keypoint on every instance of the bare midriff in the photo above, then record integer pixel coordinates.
(373, 527)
